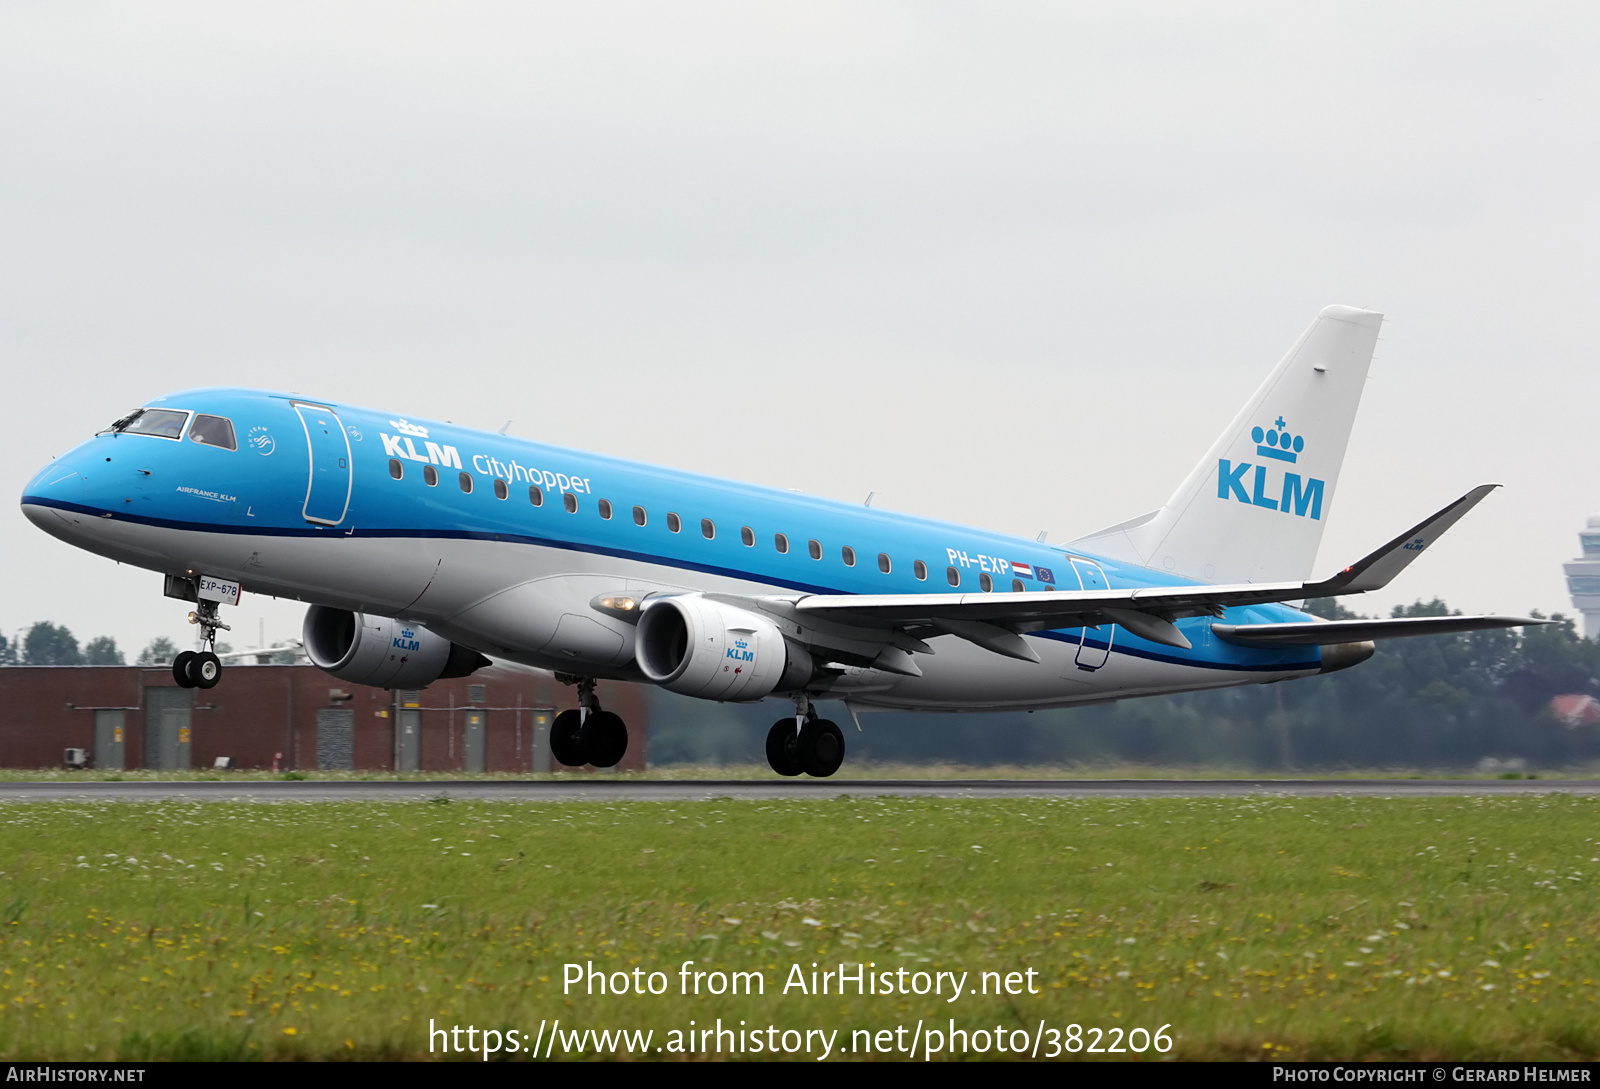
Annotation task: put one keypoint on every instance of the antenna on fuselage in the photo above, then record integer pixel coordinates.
(1043, 533)
(870, 497)
(503, 427)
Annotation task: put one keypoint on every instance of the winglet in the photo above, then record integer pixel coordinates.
(1377, 570)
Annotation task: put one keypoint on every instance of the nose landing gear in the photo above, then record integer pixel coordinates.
(201, 669)
(587, 735)
(805, 743)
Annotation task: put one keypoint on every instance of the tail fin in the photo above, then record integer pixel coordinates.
(1254, 508)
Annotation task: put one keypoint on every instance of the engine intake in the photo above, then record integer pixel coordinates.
(383, 653)
(696, 647)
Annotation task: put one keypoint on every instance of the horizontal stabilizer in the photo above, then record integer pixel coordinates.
(1357, 631)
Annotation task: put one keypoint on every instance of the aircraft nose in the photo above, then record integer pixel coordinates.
(57, 481)
(53, 499)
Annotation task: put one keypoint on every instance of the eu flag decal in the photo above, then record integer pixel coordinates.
(1044, 574)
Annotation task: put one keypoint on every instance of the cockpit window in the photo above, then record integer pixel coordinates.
(164, 423)
(213, 431)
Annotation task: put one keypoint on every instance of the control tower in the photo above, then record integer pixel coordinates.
(1583, 578)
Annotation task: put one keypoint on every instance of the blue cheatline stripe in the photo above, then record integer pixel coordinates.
(1059, 635)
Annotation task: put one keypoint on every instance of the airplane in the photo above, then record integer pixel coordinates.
(424, 549)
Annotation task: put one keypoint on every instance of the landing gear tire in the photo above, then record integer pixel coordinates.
(566, 741)
(821, 748)
(603, 739)
(205, 670)
(783, 748)
(180, 668)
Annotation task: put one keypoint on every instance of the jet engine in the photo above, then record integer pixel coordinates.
(703, 648)
(383, 653)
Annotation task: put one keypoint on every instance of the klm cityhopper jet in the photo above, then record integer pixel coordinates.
(423, 548)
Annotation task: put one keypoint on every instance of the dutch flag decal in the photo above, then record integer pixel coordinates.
(1021, 570)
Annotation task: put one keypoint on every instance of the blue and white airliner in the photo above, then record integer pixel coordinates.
(424, 549)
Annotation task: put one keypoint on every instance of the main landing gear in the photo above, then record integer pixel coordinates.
(587, 735)
(805, 743)
(202, 668)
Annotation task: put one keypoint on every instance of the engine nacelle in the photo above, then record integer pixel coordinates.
(703, 648)
(383, 653)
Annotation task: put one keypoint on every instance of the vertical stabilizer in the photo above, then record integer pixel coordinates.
(1254, 508)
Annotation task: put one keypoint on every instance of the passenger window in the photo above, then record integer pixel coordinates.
(1017, 587)
(747, 535)
(605, 509)
(985, 583)
(466, 482)
(920, 570)
(569, 501)
(849, 555)
(816, 550)
(953, 575)
(781, 542)
(396, 470)
(638, 516)
(707, 530)
(501, 489)
(430, 475)
(674, 523)
(536, 495)
(1049, 587)
(213, 431)
(883, 563)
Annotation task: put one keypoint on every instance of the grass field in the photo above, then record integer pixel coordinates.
(1255, 928)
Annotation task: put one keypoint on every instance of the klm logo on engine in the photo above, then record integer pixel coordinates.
(1254, 484)
(406, 640)
(741, 651)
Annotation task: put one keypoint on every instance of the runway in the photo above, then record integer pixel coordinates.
(703, 790)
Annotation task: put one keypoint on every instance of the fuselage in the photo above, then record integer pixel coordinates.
(504, 544)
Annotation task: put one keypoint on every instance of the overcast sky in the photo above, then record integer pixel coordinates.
(1006, 264)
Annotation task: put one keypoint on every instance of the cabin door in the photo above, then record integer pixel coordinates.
(328, 493)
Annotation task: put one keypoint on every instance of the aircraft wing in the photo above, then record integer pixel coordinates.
(995, 620)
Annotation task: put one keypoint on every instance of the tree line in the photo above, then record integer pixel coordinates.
(47, 644)
(1449, 701)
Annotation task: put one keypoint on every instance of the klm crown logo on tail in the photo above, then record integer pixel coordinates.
(1296, 496)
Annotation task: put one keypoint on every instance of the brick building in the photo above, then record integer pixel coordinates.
(292, 717)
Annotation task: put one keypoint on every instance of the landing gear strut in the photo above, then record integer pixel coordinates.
(805, 743)
(201, 669)
(587, 735)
